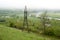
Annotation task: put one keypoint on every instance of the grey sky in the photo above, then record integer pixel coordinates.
(45, 4)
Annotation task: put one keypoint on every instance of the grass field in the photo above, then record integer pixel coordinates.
(7, 33)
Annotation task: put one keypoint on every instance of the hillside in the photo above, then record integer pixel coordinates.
(7, 33)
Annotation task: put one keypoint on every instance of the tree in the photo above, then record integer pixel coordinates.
(45, 21)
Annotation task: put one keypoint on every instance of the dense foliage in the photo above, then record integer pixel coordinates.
(35, 26)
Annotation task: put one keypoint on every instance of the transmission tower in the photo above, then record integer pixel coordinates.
(25, 22)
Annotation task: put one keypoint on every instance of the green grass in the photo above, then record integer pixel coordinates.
(7, 33)
(54, 15)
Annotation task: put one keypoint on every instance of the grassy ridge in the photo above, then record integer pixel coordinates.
(7, 33)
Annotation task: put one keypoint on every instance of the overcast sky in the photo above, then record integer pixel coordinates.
(39, 4)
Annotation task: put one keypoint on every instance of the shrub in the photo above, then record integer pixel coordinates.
(49, 31)
(57, 32)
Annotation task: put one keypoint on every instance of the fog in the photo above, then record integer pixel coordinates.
(38, 4)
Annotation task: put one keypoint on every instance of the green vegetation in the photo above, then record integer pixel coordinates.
(36, 26)
(11, 27)
(7, 33)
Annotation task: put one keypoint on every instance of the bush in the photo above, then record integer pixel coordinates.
(49, 31)
(57, 32)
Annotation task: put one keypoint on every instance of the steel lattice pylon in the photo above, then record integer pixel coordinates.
(25, 22)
